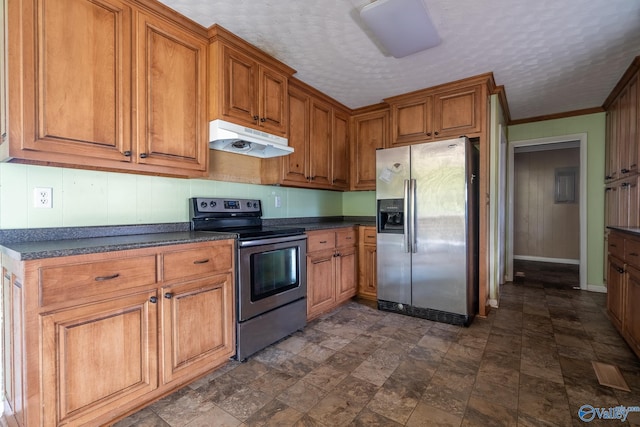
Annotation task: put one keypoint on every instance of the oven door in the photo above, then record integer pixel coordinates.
(272, 272)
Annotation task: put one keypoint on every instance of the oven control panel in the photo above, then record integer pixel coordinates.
(204, 205)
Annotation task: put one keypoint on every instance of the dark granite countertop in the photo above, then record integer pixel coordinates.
(56, 248)
(38, 243)
(635, 231)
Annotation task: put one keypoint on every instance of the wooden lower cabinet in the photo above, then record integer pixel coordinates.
(615, 291)
(96, 349)
(631, 328)
(623, 285)
(98, 357)
(331, 269)
(367, 263)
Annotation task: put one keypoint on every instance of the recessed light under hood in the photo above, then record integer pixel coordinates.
(226, 136)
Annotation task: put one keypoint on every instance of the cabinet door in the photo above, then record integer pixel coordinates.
(171, 79)
(346, 273)
(340, 151)
(3, 76)
(634, 122)
(80, 90)
(321, 290)
(370, 132)
(320, 144)
(615, 291)
(457, 112)
(295, 165)
(367, 272)
(13, 374)
(411, 121)
(612, 205)
(101, 358)
(631, 329)
(273, 101)
(611, 150)
(198, 326)
(239, 87)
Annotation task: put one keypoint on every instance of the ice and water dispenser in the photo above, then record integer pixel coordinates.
(391, 216)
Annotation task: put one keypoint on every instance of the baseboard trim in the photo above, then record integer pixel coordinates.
(597, 288)
(545, 259)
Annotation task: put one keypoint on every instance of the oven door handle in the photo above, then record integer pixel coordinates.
(271, 240)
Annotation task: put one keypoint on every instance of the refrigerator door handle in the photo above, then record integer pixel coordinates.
(407, 218)
(413, 216)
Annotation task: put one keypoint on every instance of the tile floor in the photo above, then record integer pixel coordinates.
(527, 364)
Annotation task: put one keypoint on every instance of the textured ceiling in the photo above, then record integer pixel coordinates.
(552, 56)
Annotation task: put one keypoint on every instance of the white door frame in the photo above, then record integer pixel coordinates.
(582, 200)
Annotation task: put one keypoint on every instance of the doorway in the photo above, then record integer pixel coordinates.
(541, 144)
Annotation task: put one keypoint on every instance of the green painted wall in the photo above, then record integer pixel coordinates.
(88, 198)
(594, 126)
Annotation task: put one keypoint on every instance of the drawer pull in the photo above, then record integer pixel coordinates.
(105, 278)
(633, 254)
(613, 245)
(153, 300)
(168, 295)
(201, 261)
(323, 241)
(371, 237)
(349, 237)
(620, 270)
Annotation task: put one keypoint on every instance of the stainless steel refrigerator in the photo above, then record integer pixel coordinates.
(427, 239)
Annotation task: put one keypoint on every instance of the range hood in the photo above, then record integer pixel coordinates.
(239, 139)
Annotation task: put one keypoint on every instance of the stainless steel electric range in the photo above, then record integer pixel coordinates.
(271, 274)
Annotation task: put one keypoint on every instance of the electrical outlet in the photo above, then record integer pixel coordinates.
(43, 197)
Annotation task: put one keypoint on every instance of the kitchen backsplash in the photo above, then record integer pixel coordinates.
(90, 198)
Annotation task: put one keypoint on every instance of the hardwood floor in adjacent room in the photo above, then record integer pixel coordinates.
(527, 364)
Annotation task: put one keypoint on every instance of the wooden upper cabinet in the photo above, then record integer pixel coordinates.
(320, 143)
(82, 74)
(370, 132)
(102, 84)
(171, 81)
(340, 151)
(247, 86)
(437, 113)
(3, 76)
(296, 165)
(319, 135)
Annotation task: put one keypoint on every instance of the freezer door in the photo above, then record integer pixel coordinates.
(393, 260)
(440, 260)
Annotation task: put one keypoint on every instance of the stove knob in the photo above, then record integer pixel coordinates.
(248, 204)
(255, 205)
(203, 204)
(212, 204)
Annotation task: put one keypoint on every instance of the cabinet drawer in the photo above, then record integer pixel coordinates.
(346, 237)
(632, 252)
(196, 262)
(320, 240)
(369, 236)
(615, 245)
(92, 279)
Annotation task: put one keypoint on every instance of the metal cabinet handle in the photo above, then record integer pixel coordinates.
(153, 300)
(323, 241)
(256, 118)
(437, 133)
(613, 245)
(633, 254)
(371, 236)
(624, 170)
(168, 295)
(104, 278)
(620, 270)
(143, 155)
(262, 120)
(201, 261)
(428, 133)
(127, 153)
